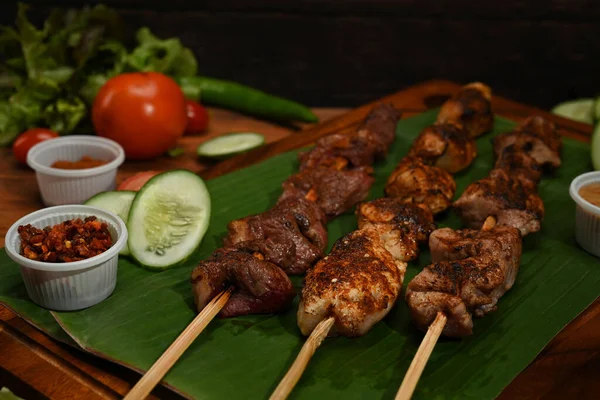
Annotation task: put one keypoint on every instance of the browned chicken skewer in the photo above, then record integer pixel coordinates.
(357, 284)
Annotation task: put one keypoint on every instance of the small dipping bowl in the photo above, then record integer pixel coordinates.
(587, 215)
(74, 285)
(74, 186)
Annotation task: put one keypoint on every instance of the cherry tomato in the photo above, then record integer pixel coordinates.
(28, 139)
(197, 117)
(143, 111)
(135, 182)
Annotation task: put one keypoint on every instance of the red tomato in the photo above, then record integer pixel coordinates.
(135, 182)
(197, 117)
(28, 139)
(143, 111)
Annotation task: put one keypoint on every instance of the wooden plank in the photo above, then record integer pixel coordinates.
(567, 367)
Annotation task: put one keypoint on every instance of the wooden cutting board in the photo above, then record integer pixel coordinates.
(35, 366)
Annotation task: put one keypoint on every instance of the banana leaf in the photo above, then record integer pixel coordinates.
(245, 357)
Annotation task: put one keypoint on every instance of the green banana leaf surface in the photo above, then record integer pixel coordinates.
(245, 357)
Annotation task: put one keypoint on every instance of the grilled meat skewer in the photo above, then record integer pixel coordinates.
(260, 249)
(471, 107)
(472, 269)
(360, 280)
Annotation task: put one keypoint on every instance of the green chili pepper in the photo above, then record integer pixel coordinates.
(245, 99)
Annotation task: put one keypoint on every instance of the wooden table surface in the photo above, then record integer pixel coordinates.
(36, 366)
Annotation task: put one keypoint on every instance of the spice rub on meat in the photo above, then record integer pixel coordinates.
(471, 270)
(416, 182)
(69, 241)
(358, 284)
(260, 249)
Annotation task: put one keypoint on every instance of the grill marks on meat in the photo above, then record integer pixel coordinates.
(399, 227)
(291, 235)
(510, 191)
(358, 284)
(445, 145)
(260, 249)
(512, 201)
(471, 107)
(261, 286)
(471, 271)
(413, 181)
(535, 136)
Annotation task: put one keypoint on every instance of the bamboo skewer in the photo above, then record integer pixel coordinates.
(421, 357)
(158, 370)
(308, 349)
(409, 383)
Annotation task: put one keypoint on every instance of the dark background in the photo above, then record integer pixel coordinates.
(344, 53)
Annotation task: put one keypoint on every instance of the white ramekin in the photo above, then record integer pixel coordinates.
(65, 186)
(74, 285)
(587, 215)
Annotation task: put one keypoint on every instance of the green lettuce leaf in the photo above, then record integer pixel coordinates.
(167, 56)
(64, 114)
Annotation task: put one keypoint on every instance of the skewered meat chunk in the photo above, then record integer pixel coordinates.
(292, 234)
(461, 287)
(357, 284)
(261, 287)
(446, 145)
(537, 137)
(400, 227)
(519, 164)
(415, 182)
(512, 201)
(471, 107)
(371, 141)
(334, 191)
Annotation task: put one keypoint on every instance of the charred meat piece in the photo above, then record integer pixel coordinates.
(462, 287)
(446, 145)
(357, 284)
(519, 164)
(514, 202)
(370, 141)
(334, 191)
(415, 182)
(261, 287)
(537, 137)
(292, 234)
(400, 227)
(471, 107)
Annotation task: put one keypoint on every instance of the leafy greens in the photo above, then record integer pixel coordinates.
(49, 76)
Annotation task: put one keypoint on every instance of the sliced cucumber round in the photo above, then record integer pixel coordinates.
(118, 202)
(230, 144)
(168, 219)
(581, 110)
(595, 146)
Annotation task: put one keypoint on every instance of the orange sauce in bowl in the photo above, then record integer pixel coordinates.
(84, 163)
(591, 193)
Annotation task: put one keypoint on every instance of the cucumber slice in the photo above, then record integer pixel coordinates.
(595, 146)
(230, 144)
(581, 110)
(118, 202)
(168, 219)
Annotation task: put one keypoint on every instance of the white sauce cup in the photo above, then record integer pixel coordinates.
(75, 285)
(74, 186)
(587, 215)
